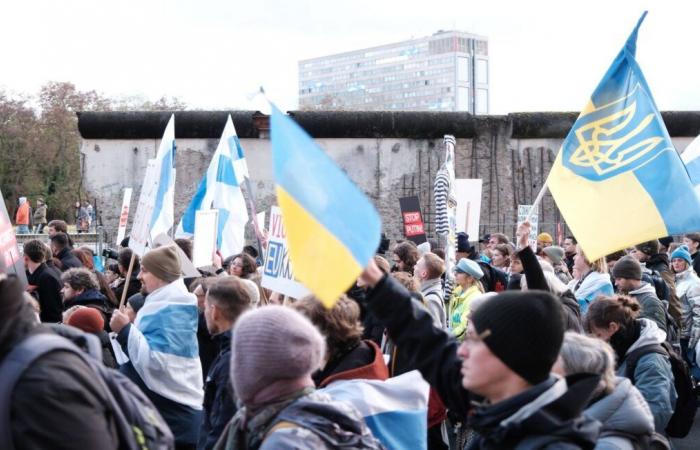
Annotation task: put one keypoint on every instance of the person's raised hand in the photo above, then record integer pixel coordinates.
(372, 274)
(523, 234)
(119, 319)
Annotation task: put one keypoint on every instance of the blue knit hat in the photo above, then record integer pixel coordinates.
(682, 253)
(469, 267)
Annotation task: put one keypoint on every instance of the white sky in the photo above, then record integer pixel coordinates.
(544, 55)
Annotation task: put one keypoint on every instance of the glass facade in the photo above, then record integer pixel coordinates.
(431, 73)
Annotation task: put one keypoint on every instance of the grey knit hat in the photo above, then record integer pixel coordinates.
(627, 267)
(271, 345)
(554, 253)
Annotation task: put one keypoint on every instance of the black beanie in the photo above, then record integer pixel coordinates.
(525, 331)
(649, 248)
(627, 267)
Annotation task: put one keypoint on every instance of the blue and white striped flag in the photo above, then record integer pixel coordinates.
(691, 159)
(396, 410)
(221, 189)
(163, 216)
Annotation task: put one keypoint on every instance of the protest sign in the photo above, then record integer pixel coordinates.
(468, 194)
(205, 232)
(277, 268)
(413, 227)
(10, 260)
(124, 215)
(523, 213)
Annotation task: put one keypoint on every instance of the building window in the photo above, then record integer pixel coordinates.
(482, 101)
(482, 71)
(462, 99)
(462, 69)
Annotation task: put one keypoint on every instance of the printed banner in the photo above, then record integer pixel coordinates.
(205, 230)
(140, 229)
(10, 259)
(413, 226)
(124, 215)
(277, 268)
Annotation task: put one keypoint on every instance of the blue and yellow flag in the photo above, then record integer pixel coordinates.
(332, 229)
(618, 180)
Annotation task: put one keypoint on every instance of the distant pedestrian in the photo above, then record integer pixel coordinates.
(22, 216)
(40, 216)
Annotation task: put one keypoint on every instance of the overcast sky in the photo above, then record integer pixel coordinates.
(544, 55)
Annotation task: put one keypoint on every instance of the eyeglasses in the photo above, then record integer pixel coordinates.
(475, 338)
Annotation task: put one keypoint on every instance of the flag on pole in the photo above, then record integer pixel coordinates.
(163, 215)
(332, 229)
(618, 180)
(221, 189)
(691, 159)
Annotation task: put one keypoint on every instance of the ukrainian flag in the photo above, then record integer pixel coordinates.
(618, 180)
(332, 228)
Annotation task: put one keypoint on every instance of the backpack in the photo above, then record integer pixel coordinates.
(683, 415)
(139, 424)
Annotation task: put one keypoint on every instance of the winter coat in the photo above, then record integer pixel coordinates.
(59, 404)
(108, 358)
(459, 309)
(592, 285)
(68, 260)
(696, 262)
(219, 399)
(48, 291)
(653, 375)
(536, 280)
(622, 412)
(40, 215)
(652, 307)
(659, 263)
(505, 424)
(432, 294)
(92, 298)
(134, 286)
(22, 217)
(365, 362)
(688, 290)
(310, 420)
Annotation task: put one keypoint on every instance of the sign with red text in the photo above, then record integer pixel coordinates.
(124, 215)
(278, 275)
(413, 226)
(10, 260)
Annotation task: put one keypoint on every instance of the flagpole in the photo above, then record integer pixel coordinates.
(251, 204)
(128, 278)
(536, 203)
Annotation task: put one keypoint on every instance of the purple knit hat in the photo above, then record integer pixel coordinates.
(273, 348)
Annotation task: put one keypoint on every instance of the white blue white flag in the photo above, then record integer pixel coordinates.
(396, 410)
(221, 189)
(163, 216)
(691, 159)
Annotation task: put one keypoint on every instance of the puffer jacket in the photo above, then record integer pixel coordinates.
(652, 307)
(688, 290)
(653, 375)
(622, 412)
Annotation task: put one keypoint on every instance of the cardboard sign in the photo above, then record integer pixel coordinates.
(278, 275)
(468, 194)
(10, 260)
(523, 212)
(124, 215)
(413, 227)
(205, 232)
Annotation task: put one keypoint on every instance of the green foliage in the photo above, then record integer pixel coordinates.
(40, 144)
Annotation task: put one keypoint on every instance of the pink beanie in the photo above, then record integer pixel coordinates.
(273, 348)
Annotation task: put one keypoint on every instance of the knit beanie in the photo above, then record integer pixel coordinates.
(87, 319)
(627, 267)
(463, 242)
(648, 248)
(163, 263)
(545, 237)
(525, 330)
(136, 301)
(554, 253)
(682, 252)
(273, 345)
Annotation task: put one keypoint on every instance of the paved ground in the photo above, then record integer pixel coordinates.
(692, 441)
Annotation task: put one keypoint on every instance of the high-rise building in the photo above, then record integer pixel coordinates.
(448, 71)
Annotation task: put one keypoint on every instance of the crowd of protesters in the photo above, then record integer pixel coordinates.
(522, 347)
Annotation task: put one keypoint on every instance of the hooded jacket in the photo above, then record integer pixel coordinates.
(364, 362)
(623, 411)
(653, 376)
(652, 308)
(22, 217)
(554, 418)
(688, 290)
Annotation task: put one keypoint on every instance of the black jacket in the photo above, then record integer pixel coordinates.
(48, 292)
(557, 424)
(219, 402)
(696, 262)
(92, 298)
(68, 259)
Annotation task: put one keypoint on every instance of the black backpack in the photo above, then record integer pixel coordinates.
(139, 424)
(686, 405)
